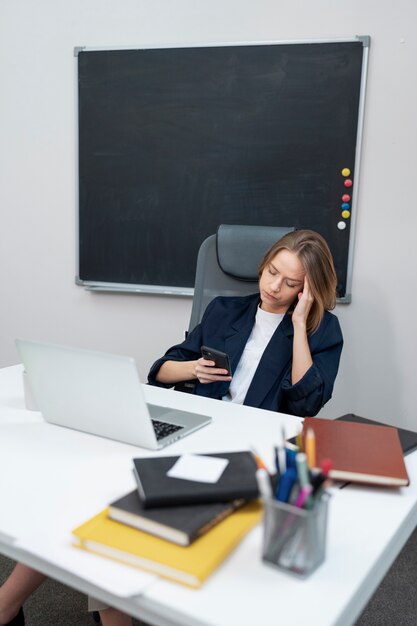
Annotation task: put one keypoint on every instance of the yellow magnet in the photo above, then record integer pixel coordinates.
(345, 171)
(345, 214)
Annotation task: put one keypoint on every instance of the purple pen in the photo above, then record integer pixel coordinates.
(303, 496)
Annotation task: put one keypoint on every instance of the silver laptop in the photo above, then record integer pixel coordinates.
(100, 393)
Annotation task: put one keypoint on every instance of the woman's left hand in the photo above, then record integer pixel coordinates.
(304, 304)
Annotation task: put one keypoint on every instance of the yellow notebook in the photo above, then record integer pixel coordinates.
(189, 565)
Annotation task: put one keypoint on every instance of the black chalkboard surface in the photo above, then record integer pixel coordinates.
(175, 141)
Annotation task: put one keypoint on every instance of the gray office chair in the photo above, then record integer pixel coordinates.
(227, 265)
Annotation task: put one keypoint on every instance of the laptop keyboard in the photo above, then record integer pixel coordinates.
(163, 429)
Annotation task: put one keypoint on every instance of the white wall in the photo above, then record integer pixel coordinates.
(38, 181)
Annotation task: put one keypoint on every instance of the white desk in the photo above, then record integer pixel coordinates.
(52, 479)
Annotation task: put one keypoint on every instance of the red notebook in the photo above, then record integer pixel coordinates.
(361, 453)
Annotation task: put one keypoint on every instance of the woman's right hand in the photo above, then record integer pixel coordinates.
(205, 372)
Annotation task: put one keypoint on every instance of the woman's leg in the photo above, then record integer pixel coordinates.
(108, 615)
(22, 582)
(114, 617)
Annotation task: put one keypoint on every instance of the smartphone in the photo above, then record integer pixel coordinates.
(221, 359)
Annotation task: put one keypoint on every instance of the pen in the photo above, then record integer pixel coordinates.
(319, 476)
(286, 484)
(280, 455)
(325, 466)
(259, 461)
(304, 480)
(317, 481)
(264, 483)
(302, 469)
(282, 460)
(310, 447)
(290, 456)
(303, 496)
(277, 467)
(321, 480)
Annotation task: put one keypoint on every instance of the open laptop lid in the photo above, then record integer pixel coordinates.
(91, 391)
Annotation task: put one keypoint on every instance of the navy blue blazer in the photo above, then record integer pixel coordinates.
(227, 324)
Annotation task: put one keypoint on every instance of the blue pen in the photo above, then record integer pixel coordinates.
(290, 457)
(286, 484)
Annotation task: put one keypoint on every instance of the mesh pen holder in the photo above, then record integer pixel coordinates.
(295, 539)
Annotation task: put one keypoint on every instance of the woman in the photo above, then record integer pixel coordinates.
(284, 344)
(284, 348)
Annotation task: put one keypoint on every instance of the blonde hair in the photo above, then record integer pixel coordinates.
(317, 261)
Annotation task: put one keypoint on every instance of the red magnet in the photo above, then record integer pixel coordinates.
(348, 183)
(346, 197)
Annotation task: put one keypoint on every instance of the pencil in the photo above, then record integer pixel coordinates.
(259, 461)
(310, 445)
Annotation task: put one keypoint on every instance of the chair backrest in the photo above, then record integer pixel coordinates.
(227, 263)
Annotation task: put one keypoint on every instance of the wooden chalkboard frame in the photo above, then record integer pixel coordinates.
(104, 261)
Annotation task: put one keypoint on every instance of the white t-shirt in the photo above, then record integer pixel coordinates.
(265, 325)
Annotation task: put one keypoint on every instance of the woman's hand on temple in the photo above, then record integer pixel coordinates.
(304, 304)
(301, 358)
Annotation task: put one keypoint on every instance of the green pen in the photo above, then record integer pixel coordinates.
(304, 477)
(302, 469)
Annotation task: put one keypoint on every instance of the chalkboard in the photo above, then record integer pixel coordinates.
(175, 141)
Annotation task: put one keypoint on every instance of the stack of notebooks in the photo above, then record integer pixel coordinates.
(176, 528)
(361, 451)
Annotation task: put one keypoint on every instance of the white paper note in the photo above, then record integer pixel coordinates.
(198, 468)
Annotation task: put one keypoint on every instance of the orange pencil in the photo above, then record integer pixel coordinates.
(259, 462)
(310, 445)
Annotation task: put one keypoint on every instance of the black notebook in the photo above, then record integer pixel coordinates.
(156, 489)
(408, 438)
(178, 524)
